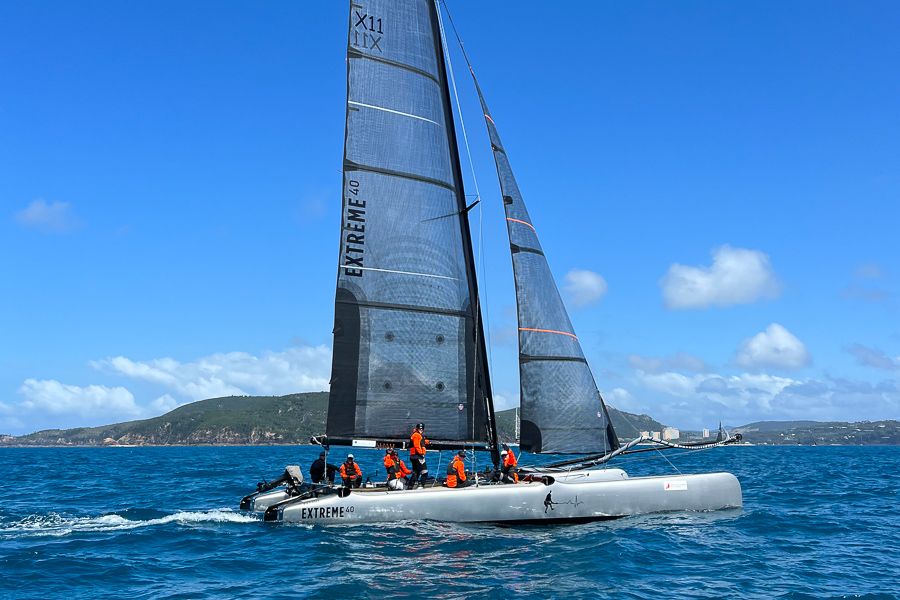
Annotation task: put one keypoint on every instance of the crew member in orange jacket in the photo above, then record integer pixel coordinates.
(418, 443)
(396, 469)
(510, 465)
(351, 473)
(456, 471)
(402, 470)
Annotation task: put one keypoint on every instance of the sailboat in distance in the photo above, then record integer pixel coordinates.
(409, 342)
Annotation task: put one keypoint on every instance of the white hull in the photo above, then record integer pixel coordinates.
(575, 496)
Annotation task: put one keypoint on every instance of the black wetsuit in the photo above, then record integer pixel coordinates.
(317, 470)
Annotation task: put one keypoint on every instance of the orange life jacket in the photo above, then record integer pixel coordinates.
(391, 466)
(456, 472)
(509, 465)
(418, 445)
(402, 470)
(354, 472)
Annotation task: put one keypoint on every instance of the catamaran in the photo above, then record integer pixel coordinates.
(409, 342)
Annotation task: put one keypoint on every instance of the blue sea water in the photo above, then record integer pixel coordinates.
(818, 522)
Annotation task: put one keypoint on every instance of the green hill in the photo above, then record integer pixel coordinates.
(261, 420)
(288, 419)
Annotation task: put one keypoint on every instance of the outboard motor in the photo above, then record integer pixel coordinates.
(292, 478)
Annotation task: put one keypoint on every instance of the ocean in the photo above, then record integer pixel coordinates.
(817, 522)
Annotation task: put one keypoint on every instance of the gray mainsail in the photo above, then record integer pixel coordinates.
(408, 343)
(561, 408)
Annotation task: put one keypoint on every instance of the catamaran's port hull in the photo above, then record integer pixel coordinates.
(565, 499)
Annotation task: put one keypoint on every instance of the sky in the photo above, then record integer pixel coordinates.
(716, 185)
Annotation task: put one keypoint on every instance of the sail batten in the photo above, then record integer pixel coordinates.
(561, 409)
(407, 336)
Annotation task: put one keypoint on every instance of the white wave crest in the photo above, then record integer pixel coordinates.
(53, 524)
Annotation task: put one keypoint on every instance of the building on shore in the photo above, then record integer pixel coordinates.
(670, 433)
(655, 435)
(705, 433)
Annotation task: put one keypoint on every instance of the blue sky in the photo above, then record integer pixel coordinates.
(716, 186)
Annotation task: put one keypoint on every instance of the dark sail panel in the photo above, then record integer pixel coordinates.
(407, 329)
(561, 409)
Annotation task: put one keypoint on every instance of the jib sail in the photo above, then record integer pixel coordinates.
(561, 408)
(408, 343)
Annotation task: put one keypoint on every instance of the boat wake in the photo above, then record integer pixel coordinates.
(56, 525)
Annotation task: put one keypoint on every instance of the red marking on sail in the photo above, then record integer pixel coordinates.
(571, 335)
(488, 117)
(522, 222)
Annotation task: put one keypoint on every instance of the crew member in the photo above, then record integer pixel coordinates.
(456, 471)
(351, 474)
(510, 466)
(418, 443)
(317, 469)
(396, 470)
(403, 471)
(390, 466)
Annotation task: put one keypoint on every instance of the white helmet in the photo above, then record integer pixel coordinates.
(349, 456)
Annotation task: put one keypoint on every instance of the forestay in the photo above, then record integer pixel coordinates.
(561, 409)
(407, 334)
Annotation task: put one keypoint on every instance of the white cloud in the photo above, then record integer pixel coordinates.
(55, 217)
(873, 357)
(737, 276)
(585, 287)
(680, 361)
(619, 398)
(505, 400)
(775, 347)
(303, 369)
(702, 400)
(51, 396)
(164, 404)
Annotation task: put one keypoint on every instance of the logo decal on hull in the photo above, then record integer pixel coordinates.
(549, 503)
(325, 512)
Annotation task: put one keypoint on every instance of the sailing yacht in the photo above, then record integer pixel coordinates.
(409, 342)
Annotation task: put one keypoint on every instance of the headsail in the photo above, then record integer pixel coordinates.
(561, 408)
(407, 337)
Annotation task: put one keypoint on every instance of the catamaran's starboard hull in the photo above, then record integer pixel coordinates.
(577, 500)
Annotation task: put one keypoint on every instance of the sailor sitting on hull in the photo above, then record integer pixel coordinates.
(510, 469)
(320, 470)
(456, 472)
(396, 470)
(417, 447)
(351, 474)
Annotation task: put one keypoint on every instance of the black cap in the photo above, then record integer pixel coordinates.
(321, 454)
(461, 453)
